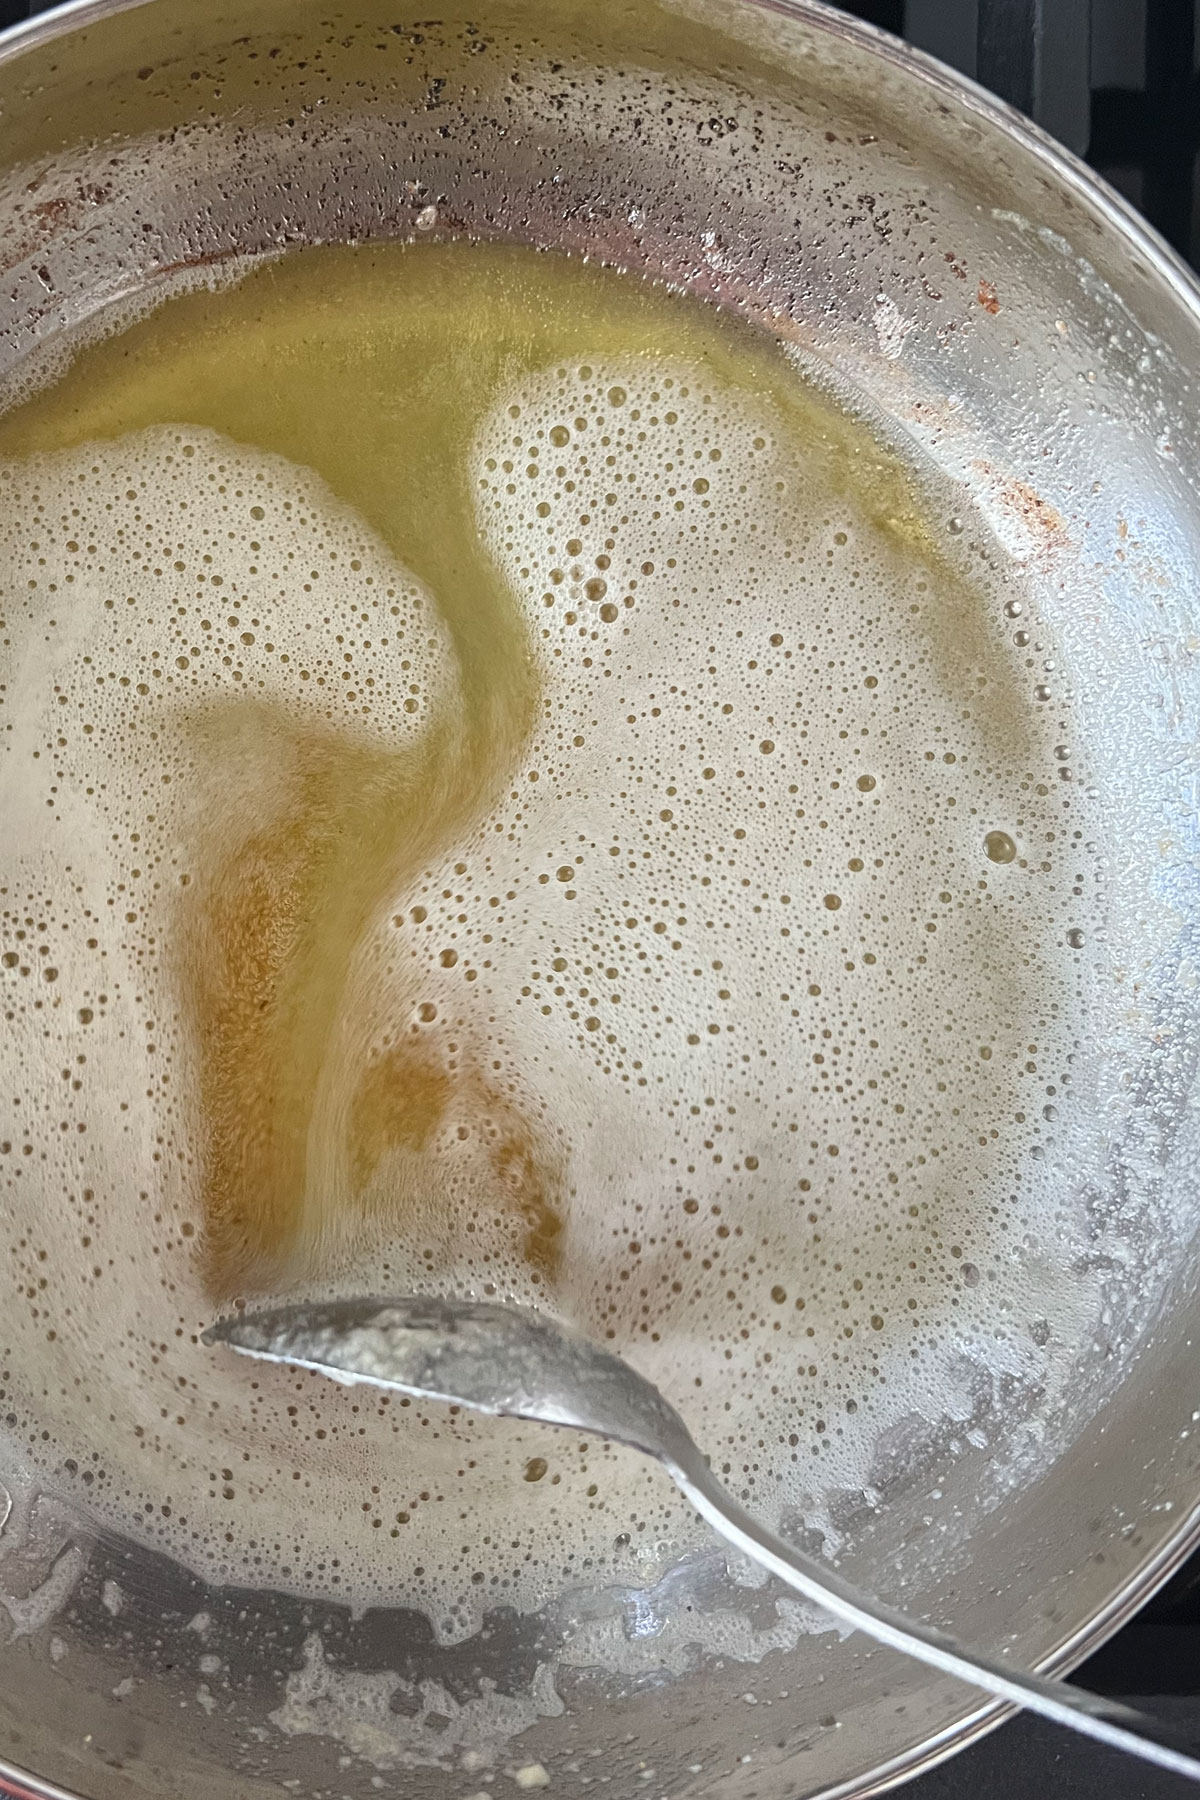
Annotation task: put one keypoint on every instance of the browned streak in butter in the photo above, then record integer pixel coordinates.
(269, 940)
(270, 943)
(406, 1098)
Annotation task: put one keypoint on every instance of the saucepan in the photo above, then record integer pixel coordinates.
(1000, 315)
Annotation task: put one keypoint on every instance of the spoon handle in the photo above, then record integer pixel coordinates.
(1106, 1720)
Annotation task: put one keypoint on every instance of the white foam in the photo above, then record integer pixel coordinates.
(732, 934)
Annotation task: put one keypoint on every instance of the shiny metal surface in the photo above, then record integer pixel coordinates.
(519, 1364)
(988, 302)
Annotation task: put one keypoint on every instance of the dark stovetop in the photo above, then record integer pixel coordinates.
(1115, 80)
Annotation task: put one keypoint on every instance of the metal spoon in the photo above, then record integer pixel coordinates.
(520, 1364)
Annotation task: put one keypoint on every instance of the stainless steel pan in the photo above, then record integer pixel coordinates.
(996, 306)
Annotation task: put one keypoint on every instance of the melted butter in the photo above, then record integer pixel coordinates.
(501, 785)
(374, 369)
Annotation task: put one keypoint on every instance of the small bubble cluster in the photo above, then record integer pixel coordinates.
(762, 971)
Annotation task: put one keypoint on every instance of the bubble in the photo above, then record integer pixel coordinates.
(999, 847)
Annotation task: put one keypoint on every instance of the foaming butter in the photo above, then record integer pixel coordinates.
(506, 789)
